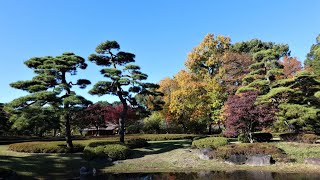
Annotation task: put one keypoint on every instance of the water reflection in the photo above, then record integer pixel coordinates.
(206, 175)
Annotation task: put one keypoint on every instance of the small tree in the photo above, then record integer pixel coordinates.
(49, 86)
(124, 79)
(242, 115)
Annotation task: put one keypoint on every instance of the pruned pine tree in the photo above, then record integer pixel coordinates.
(125, 79)
(50, 86)
(266, 69)
(298, 102)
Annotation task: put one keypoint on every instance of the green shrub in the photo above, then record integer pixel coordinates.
(45, 147)
(308, 138)
(212, 142)
(135, 128)
(224, 152)
(116, 151)
(113, 151)
(242, 138)
(289, 137)
(137, 143)
(257, 137)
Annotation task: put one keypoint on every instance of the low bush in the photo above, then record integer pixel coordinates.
(289, 137)
(224, 152)
(308, 138)
(44, 147)
(113, 151)
(242, 138)
(213, 142)
(257, 137)
(137, 143)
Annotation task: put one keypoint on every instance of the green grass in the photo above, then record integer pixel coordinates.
(300, 151)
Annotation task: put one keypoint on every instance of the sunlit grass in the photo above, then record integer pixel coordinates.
(300, 151)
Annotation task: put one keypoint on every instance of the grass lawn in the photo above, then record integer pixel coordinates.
(300, 151)
(160, 156)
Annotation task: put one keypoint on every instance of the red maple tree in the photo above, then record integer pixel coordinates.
(242, 115)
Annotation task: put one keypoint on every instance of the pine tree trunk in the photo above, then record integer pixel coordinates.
(68, 133)
(122, 116)
(66, 113)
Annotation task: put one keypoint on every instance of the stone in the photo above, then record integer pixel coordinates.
(259, 160)
(237, 159)
(84, 171)
(314, 161)
(205, 153)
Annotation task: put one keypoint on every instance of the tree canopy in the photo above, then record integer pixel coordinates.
(50, 86)
(124, 79)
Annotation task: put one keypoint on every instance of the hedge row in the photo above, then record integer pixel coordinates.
(213, 142)
(60, 146)
(45, 147)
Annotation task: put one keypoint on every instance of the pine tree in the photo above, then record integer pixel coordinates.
(50, 86)
(124, 79)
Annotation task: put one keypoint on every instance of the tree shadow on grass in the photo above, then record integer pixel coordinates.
(47, 166)
(158, 148)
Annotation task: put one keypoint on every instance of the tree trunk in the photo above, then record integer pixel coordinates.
(184, 128)
(250, 137)
(54, 132)
(66, 116)
(68, 132)
(210, 128)
(122, 116)
(97, 128)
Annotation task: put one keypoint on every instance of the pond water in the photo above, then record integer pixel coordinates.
(221, 175)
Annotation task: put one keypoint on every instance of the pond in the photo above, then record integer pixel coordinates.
(221, 175)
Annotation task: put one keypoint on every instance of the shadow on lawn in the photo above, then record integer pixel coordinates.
(159, 147)
(47, 165)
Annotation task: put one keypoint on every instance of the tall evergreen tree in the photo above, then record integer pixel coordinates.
(298, 102)
(50, 86)
(124, 79)
(312, 62)
(266, 68)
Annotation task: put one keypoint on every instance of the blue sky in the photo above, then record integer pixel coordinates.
(159, 32)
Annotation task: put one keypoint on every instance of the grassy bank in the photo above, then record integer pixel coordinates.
(160, 156)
